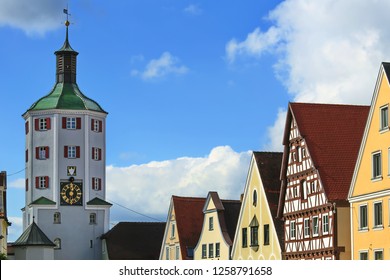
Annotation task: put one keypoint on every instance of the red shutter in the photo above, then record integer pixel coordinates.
(37, 152)
(100, 184)
(46, 181)
(26, 185)
(100, 126)
(92, 120)
(78, 123)
(37, 182)
(65, 151)
(27, 155)
(100, 154)
(48, 125)
(27, 127)
(36, 124)
(78, 152)
(93, 153)
(64, 122)
(47, 152)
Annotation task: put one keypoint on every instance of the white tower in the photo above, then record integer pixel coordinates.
(65, 165)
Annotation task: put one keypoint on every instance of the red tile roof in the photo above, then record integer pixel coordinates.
(333, 134)
(189, 222)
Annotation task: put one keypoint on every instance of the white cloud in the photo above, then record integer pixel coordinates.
(165, 65)
(147, 188)
(17, 183)
(328, 51)
(276, 131)
(193, 10)
(35, 17)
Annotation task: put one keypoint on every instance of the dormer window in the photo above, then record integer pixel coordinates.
(211, 223)
(254, 199)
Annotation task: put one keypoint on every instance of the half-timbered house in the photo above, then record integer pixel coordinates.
(321, 144)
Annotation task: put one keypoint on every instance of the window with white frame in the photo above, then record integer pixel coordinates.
(211, 250)
(43, 124)
(177, 252)
(384, 117)
(217, 249)
(255, 236)
(211, 223)
(303, 189)
(172, 230)
(42, 152)
(167, 253)
(363, 217)
(266, 234)
(315, 226)
(96, 125)
(244, 237)
(71, 151)
(254, 198)
(292, 230)
(376, 165)
(378, 222)
(96, 153)
(96, 184)
(42, 182)
(325, 224)
(204, 251)
(306, 227)
(70, 123)
(363, 255)
(378, 254)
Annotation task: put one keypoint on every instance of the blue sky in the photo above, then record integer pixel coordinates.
(191, 87)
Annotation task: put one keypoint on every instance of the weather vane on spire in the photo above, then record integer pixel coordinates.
(67, 15)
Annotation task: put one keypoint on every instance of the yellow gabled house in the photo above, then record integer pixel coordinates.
(369, 194)
(259, 233)
(219, 224)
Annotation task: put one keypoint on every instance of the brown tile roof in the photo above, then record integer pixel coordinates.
(269, 165)
(189, 221)
(135, 241)
(230, 218)
(333, 134)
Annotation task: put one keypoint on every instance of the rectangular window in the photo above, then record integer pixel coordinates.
(315, 226)
(72, 151)
(378, 254)
(96, 153)
(42, 182)
(42, 152)
(211, 223)
(306, 227)
(177, 254)
(57, 218)
(96, 125)
(266, 234)
(217, 249)
(211, 250)
(204, 251)
(71, 123)
(244, 237)
(42, 124)
(167, 252)
(363, 255)
(292, 230)
(363, 218)
(384, 117)
(92, 218)
(378, 214)
(172, 230)
(255, 236)
(96, 184)
(325, 224)
(376, 165)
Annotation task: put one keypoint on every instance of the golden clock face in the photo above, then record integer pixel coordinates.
(71, 194)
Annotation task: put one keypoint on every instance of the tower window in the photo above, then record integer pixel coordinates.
(96, 184)
(57, 218)
(72, 151)
(42, 152)
(71, 123)
(92, 218)
(96, 153)
(42, 182)
(42, 124)
(96, 125)
(57, 242)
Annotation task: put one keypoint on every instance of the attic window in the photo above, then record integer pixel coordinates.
(254, 227)
(254, 200)
(384, 117)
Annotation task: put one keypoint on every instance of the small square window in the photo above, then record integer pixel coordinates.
(378, 254)
(363, 255)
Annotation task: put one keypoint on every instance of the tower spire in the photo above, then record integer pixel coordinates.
(66, 58)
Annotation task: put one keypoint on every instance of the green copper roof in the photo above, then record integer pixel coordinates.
(98, 201)
(66, 47)
(66, 96)
(33, 236)
(43, 201)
